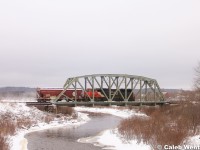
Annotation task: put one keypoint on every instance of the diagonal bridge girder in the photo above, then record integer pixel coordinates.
(110, 85)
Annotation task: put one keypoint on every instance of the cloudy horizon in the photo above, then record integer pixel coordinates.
(42, 43)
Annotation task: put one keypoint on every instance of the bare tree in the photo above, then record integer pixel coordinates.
(197, 78)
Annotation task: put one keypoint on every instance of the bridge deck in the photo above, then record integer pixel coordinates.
(121, 103)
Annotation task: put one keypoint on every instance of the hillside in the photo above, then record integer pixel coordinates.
(17, 92)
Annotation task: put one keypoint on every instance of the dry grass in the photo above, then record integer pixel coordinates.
(24, 123)
(65, 110)
(4, 145)
(166, 125)
(94, 114)
(7, 127)
(40, 107)
(48, 118)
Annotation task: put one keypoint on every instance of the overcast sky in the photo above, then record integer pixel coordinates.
(43, 42)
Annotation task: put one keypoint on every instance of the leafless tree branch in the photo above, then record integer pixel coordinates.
(197, 77)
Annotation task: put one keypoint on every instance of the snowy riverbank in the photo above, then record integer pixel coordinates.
(111, 139)
(18, 142)
(106, 139)
(37, 120)
(116, 111)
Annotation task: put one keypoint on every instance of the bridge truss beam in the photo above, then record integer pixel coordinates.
(110, 85)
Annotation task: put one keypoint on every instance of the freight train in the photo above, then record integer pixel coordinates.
(47, 94)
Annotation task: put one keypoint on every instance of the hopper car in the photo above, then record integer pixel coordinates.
(47, 94)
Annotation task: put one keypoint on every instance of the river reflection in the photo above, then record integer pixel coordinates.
(66, 138)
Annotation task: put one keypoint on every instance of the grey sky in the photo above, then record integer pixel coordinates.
(43, 42)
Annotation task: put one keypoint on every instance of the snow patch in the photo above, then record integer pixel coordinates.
(123, 113)
(110, 139)
(17, 100)
(18, 142)
(194, 141)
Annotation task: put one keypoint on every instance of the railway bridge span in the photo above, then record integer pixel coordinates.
(116, 89)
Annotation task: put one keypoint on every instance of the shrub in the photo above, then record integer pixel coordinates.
(65, 110)
(3, 143)
(24, 122)
(40, 107)
(7, 127)
(166, 125)
(48, 118)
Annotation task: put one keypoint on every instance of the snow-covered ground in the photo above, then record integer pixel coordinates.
(22, 99)
(116, 111)
(193, 140)
(20, 111)
(18, 142)
(111, 139)
(106, 139)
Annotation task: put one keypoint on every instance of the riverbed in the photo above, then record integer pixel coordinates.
(65, 138)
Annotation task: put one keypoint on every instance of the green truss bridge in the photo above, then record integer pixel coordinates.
(116, 89)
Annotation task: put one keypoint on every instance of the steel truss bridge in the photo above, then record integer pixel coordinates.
(144, 90)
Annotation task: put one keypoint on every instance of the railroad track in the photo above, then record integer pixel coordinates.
(37, 103)
(94, 103)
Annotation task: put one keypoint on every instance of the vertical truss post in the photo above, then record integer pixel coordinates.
(132, 90)
(140, 90)
(145, 90)
(117, 82)
(117, 85)
(154, 91)
(75, 89)
(85, 83)
(125, 96)
(110, 99)
(101, 82)
(92, 88)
